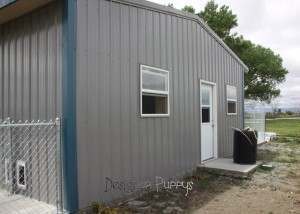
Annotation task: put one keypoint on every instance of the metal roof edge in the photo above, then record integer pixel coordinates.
(13, 9)
(171, 11)
(5, 3)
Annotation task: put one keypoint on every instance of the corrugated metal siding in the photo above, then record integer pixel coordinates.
(30, 65)
(113, 141)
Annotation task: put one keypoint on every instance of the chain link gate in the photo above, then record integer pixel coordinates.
(30, 167)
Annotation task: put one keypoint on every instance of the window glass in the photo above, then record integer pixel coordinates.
(155, 81)
(231, 99)
(231, 107)
(205, 95)
(205, 114)
(154, 91)
(231, 92)
(155, 104)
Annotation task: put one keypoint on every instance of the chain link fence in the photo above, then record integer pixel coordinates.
(30, 167)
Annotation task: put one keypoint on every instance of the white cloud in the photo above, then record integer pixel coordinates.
(274, 24)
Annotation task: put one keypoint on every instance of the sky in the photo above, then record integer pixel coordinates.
(271, 23)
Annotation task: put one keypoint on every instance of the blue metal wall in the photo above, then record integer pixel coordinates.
(69, 104)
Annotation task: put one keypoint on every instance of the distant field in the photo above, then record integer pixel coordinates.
(284, 127)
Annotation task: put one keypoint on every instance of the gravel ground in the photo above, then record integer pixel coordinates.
(270, 190)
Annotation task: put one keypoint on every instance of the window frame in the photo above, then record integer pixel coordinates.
(6, 170)
(154, 92)
(231, 100)
(21, 163)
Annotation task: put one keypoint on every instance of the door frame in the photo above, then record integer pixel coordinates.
(215, 119)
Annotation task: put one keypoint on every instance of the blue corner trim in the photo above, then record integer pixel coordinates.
(69, 106)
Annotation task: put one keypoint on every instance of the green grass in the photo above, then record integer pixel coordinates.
(288, 132)
(264, 169)
(289, 128)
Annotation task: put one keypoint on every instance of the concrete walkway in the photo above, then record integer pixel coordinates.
(228, 167)
(17, 204)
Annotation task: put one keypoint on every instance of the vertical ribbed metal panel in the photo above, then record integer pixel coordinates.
(30, 65)
(30, 70)
(113, 39)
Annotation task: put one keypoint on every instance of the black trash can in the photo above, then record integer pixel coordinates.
(245, 146)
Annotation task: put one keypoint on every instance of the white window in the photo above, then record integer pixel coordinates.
(21, 174)
(154, 92)
(6, 172)
(231, 99)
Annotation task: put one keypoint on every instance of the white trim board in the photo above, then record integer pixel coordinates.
(215, 119)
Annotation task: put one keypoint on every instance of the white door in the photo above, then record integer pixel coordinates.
(207, 122)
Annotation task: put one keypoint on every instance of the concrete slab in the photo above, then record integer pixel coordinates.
(226, 166)
(18, 204)
(269, 136)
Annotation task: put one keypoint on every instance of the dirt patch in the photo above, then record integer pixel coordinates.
(205, 188)
(270, 190)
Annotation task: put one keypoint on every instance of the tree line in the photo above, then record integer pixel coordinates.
(266, 70)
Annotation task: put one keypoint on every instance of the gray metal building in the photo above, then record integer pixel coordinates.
(143, 90)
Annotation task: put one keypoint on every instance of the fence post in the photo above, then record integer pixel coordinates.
(59, 166)
(11, 160)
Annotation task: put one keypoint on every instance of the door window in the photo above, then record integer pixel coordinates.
(206, 103)
(205, 114)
